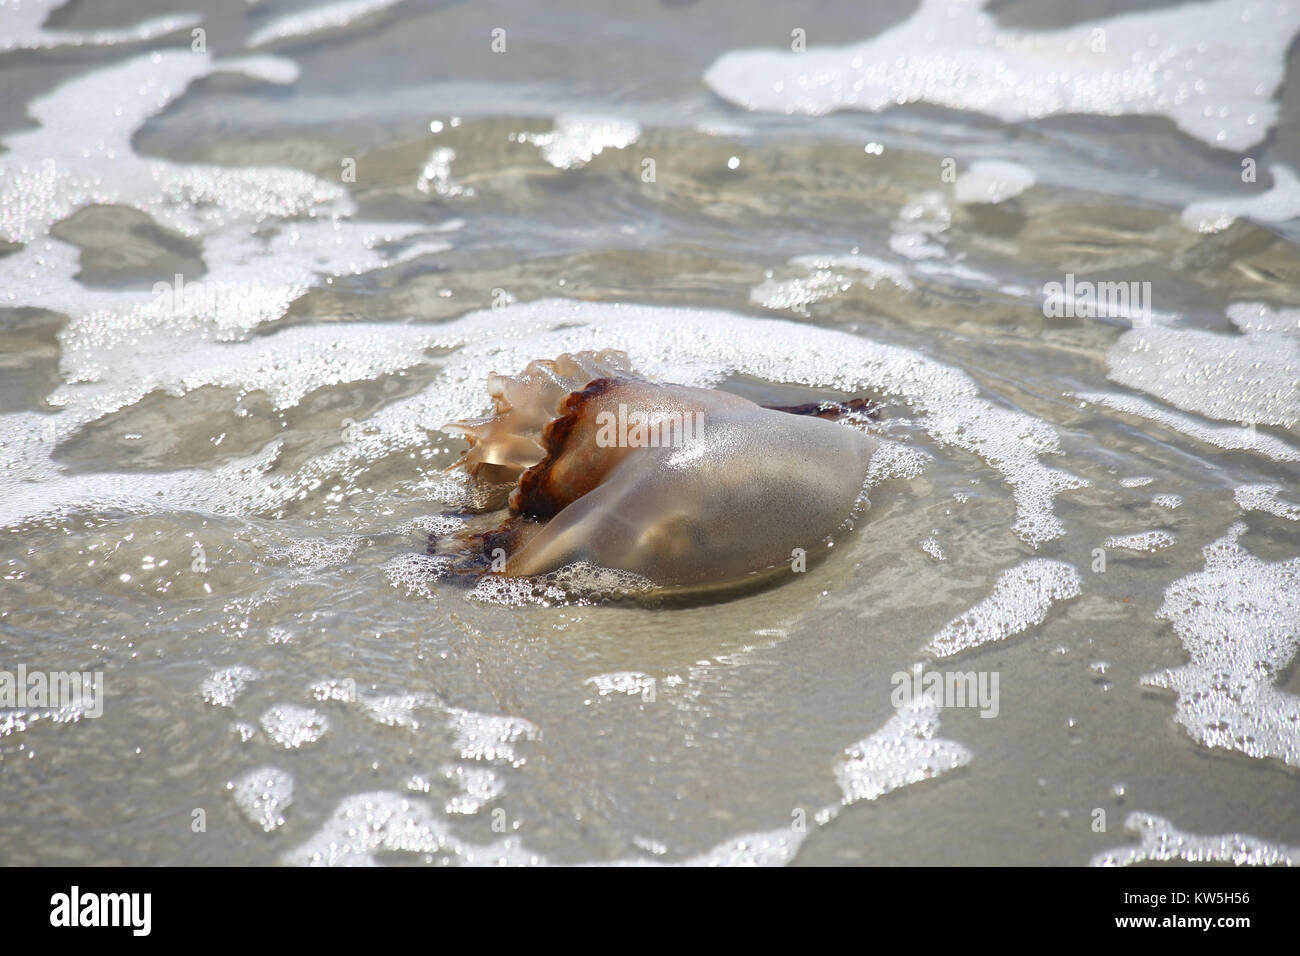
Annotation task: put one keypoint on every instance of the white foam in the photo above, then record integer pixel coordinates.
(1237, 378)
(1279, 203)
(370, 823)
(1022, 597)
(1211, 68)
(932, 547)
(826, 276)
(479, 787)
(894, 460)
(120, 344)
(1141, 541)
(263, 795)
(1162, 842)
(436, 176)
(22, 27)
(621, 682)
(383, 822)
(1232, 437)
(1168, 501)
(225, 685)
(1137, 481)
(699, 347)
(1264, 497)
(477, 736)
(992, 181)
(314, 554)
(1238, 621)
(80, 154)
(906, 750)
(576, 139)
(15, 720)
(769, 848)
(292, 727)
(489, 736)
(398, 710)
(330, 16)
(1259, 317)
(416, 574)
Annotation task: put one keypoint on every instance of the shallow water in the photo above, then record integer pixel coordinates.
(216, 490)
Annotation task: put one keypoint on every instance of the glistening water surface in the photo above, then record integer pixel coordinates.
(254, 254)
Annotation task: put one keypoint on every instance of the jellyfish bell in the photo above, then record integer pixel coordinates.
(682, 487)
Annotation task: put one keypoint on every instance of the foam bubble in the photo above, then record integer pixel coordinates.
(1236, 378)
(992, 181)
(119, 344)
(1142, 541)
(576, 140)
(24, 28)
(15, 720)
(436, 176)
(1222, 436)
(1162, 842)
(1211, 68)
(1022, 597)
(1264, 497)
(313, 554)
(398, 710)
(489, 736)
(225, 685)
(263, 795)
(1168, 501)
(630, 683)
(292, 727)
(827, 276)
(1279, 203)
(1252, 317)
(415, 573)
(477, 736)
(1237, 621)
(370, 823)
(905, 751)
(894, 460)
(479, 787)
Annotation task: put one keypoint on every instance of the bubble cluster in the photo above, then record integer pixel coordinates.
(1022, 597)
(1142, 541)
(263, 795)
(1162, 842)
(906, 750)
(1237, 620)
(225, 686)
(955, 54)
(292, 727)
